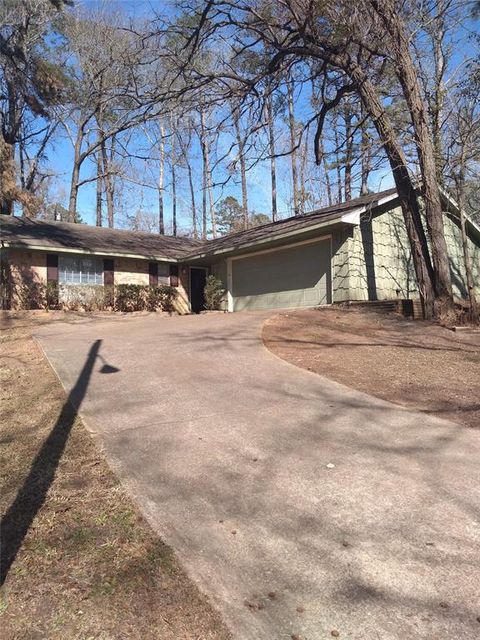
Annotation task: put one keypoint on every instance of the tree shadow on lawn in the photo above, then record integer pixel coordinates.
(30, 498)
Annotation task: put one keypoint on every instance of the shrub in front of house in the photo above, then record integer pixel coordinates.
(81, 297)
(213, 293)
(168, 296)
(130, 297)
(52, 299)
(136, 297)
(31, 294)
(109, 297)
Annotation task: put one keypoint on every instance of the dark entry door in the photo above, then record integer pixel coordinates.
(197, 286)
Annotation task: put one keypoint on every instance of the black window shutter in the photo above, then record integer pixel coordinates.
(52, 267)
(52, 281)
(174, 275)
(108, 272)
(153, 274)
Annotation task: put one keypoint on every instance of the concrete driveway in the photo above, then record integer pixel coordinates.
(229, 452)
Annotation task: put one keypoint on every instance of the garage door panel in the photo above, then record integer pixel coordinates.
(293, 277)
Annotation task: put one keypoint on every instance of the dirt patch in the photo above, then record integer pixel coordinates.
(416, 364)
(84, 564)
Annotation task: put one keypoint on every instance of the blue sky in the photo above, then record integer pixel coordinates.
(140, 198)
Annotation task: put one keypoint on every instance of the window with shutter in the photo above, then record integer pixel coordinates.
(79, 270)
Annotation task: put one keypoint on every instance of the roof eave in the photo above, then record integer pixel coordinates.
(350, 218)
(91, 252)
(452, 207)
(262, 241)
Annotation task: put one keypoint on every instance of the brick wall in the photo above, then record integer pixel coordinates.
(131, 271)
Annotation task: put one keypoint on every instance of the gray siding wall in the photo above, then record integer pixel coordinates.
(376, 256)
(381, 267)
(341, 241)
(453, 237)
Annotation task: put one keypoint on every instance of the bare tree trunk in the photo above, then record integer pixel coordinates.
(403, 182)
(101, 169)
(303, 174)
(173, 160)
(348, 152)
(241, 157)
(438, 33)
(210, 199)
(407, 75)
(337, 161)
(77, 162)
(7, 175)
(365, 154)
(203, 145)
(460, 186)
(328, 184)
(21, 157)
(161, 174)
(207, 178)
(204, 184)
(99, 184)
(109, 180)
(293, 144)
(271, 142)
(192, 197)
(8, 133)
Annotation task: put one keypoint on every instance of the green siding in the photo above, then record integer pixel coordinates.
(341, 241)
(380, 262)
(380, 265)
(453, 237)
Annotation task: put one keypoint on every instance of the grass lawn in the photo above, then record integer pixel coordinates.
(416, 364)
(88, 566)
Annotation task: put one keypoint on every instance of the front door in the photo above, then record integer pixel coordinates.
(198, 278)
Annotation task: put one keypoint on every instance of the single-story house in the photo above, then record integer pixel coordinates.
(355, 251)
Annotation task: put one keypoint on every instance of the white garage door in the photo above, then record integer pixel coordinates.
(297, 276)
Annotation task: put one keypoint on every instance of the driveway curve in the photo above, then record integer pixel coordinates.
(303, 508)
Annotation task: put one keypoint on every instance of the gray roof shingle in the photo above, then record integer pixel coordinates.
(65, 235)
(234, 241)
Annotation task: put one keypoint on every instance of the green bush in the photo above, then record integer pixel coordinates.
(152, 298)
(136, 297)
(109, 297)
(123, 297)
(51, 295)
(31, 295)
(82, 297)
(168, 295)
(130, 297)
(213, 293)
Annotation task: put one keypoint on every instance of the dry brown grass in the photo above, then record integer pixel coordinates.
(89, 566)
(416, 364)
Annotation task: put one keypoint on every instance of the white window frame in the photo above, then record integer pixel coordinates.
(69, 276)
